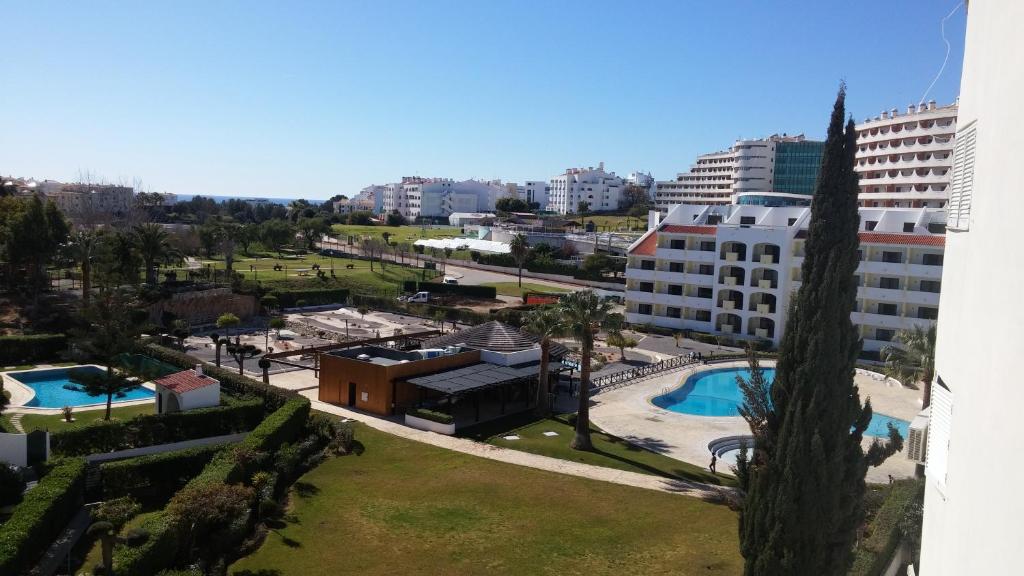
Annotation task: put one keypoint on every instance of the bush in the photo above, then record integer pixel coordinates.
(431, 415)
(151, 429)
(154, 552)
(883, 533)
(288, 298)
(12, 484)
(43, 513)
(26, 349)
(116, 511)
(282, 426)
(162, 473)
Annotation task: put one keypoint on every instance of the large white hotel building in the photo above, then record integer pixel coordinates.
(730, 270)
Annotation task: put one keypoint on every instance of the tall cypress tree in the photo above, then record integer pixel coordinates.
(804, 494)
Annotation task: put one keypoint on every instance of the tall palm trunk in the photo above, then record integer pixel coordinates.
(150, 271)
(110, 392)
(581, 441)
(543, 382)
(86, 280)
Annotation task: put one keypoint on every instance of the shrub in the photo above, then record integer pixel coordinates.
(431, 415)
(150, 429)
(160, 473)
(43, 513)
(460, 289)
(282, 426)
(883, 533)
(26, 349)
(116, 511)
(12, 484)
(288, 298)
(154, 552)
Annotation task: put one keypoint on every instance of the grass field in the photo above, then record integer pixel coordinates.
(615, 223)
(56, 423)
(513, 288)
(397, 233)
(609, 451)
(401, 507)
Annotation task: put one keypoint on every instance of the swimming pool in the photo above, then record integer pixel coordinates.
(50, 392)
(716, 393)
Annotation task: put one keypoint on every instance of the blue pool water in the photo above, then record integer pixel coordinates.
(50, 392)
(715, 393)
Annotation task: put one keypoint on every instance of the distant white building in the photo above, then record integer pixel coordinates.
(599, 189)
(642, 179)
(469, 218)
(186, 390)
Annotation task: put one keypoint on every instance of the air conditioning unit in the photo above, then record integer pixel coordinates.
(763, 308)
(767, 259)
(917, 440)
(766, 284)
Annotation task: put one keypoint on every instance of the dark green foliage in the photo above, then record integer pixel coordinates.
(288, 298)
(393, 219)
(511, 204)
(12, 484)
(116, 511)
(41, 516)
(887, 528)
(26, 349)
(460, 289)
(805, 499)
(282, 426)
(157, 474)
(150, 429)
(153, 553)
(431, 415)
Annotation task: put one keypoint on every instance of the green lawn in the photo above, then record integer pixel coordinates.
(513, 289)
(401, 507)
(397, 233)
(609, 451)
(55, 422)
(615, 223)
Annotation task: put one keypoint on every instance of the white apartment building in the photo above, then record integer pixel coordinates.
(730, 270)
(535, 191)
(438, 197)
(599, 189)
(973, 502)
(91, 201)
(904, 160)
(748, 168)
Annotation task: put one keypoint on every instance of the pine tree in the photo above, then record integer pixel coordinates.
(804, 503)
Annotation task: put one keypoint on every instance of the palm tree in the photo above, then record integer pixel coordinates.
(545, 323)
(519, 250)
(83, 244)
(154, 246)
(584, 314)
(913, 359)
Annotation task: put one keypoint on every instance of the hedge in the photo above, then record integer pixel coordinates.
(884, 535)
(273, 397)
(16, 350)
(151, 429)
(460, 289)
(288, 298)
(42, 515)
(152, 555)
(431, 415)
(162, 472)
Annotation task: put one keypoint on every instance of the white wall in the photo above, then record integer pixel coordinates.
(204, 397)
(973, 512)
(14, 449)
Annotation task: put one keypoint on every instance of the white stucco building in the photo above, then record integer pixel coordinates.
(186, 390)
(973, 500)
(904, 158)
(731, 270)
(601, 190)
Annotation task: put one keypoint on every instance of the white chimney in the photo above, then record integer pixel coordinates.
(885, 113)
(910, 109)
(653, 219)
(199, 370)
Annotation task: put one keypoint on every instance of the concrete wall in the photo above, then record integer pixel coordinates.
(205, 306)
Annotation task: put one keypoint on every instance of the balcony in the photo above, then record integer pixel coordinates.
(641, 274)
(678, 255)
(768, 259)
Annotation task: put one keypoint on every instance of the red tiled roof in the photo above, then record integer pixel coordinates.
(184, 381)
(913, 239)
(646, 246)
(687, 229)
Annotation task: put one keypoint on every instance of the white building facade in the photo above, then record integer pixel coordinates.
(730, 270)
(973, 502)
(904, 159)
(602, 191)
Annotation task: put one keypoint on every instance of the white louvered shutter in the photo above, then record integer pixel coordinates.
(961, 187)
(939, 432)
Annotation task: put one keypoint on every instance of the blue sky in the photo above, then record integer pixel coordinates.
(311, 99)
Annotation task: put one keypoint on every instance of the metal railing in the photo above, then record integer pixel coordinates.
(627, 377)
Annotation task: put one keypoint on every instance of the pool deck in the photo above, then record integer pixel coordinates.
(628, 412)
(21, 394)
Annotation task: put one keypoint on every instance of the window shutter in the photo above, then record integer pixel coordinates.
(939, 431)
(962, 180)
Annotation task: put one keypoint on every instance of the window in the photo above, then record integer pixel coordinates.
(790, 221)
(933, 286)
(889, 283)
(676, 267)
(647, 264)
(707, 246)
(644, 309)
(937, 227)
(645, 287)
(870, 225)
(702, 315)
(673, 312)
(703, 292)
(931, 259)
(884, 334)
(675, 289)
(927, 313)
(939, 432)
(892, 257)
(958, 210)
(747, 220)
(706, 269)
(908, 226)
(677, 244)
(887, 309)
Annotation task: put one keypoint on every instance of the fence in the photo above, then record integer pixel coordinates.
(627, 377)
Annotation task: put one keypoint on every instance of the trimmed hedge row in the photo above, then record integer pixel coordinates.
(26, 349)
(151, 429)
(162, 472)
(41, 516)
(287, 298)
(884, 535)
(460, 289)
(163, 544)
(432, 415)
(273, 397)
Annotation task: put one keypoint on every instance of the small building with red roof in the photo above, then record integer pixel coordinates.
(186, 390)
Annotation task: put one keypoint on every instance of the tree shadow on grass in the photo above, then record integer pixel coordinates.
(305, 489)
(261, 572)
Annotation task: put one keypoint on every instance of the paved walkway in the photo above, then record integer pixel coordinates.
(507, 455)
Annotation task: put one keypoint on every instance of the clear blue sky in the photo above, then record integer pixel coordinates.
(311, 99)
